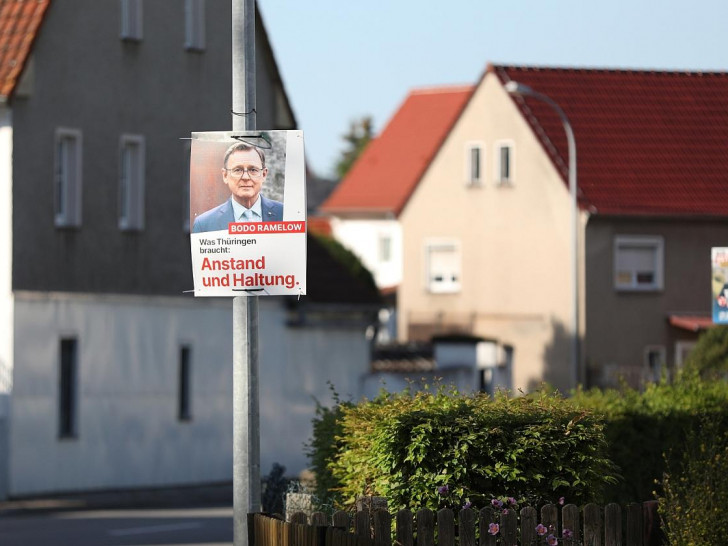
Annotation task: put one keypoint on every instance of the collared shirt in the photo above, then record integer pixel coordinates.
(255, 210)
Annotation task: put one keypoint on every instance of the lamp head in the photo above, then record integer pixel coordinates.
(518, 89)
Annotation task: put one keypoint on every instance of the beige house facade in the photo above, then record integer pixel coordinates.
(489, 255)
(485, 214)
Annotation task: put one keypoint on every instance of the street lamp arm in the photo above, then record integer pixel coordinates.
(521, 90)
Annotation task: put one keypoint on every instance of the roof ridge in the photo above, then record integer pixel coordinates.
(617, 70)
(433, 89)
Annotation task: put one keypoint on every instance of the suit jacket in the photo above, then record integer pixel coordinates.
(219, 217)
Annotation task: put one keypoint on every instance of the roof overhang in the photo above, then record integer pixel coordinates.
(691, 323)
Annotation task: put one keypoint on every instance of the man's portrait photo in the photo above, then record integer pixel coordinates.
(241, 177)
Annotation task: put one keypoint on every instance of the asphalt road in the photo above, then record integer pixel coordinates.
(120, 527)
(198, 516)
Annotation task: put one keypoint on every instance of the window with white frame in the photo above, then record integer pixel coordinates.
(474, 164)
(442, 262)
(638, 263)
(385, 248)
(67, 179)
(655, 358)
(131, 20)
(682, 352)
(195, 24)
(504, 162)
(131, 182)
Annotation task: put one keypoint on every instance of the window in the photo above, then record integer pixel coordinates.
(474, 167)
(195, 24)
(184, 409)
(443, 267)
(654, 363)
(67, 178)
(504, 163)
(131, 20)
(67, 388)
(131, 183)
(638, 263)
(682, 352)
(385, 248)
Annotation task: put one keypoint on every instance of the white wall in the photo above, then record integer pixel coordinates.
(6, 297)
(362, 236)
(128, 432)
(6, 256)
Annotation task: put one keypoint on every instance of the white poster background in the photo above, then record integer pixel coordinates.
(241, 261)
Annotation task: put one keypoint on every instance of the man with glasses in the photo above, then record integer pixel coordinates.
(244, 174)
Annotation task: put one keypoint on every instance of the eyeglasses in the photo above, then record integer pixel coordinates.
(253, 172)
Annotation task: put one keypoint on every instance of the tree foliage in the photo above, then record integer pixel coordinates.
(359, 135)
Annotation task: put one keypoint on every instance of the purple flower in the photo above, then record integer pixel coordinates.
(568, 533)
(551, 540)
(467, 505)
(493, 528)
(443, 490)
(541, 529)
(497, 503)
(561, 500)
(512, 501)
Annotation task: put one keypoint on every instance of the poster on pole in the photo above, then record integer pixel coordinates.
(719, 282)
(248, 213)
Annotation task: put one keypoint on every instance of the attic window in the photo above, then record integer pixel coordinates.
(474, 164)
(131, 20)
(504, 162)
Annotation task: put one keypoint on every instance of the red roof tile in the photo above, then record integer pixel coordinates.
(19, 24)
(647, 142)
(388, 171)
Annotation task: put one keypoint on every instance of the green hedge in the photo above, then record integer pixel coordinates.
(643, 427)
(435, 449)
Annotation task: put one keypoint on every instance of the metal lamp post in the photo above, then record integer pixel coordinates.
(518, 89)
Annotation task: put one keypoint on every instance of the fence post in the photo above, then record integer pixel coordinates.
(445, 528)
(509, 527)
(486, 518)
(466, 527)
(634, 525)
(570, 521)
(529, 521)
(404, 528)
(651, 524)
(593, 527)
(612, 525)
(382, 528)
(425, 527)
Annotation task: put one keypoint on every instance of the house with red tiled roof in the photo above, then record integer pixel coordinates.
(486, 238)
(111, 374)
(365, 206)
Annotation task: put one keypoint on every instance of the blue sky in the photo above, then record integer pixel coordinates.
(343, 59)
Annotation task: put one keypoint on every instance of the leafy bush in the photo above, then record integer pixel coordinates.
(642, 427)
(322, 448)
(422, 449)
(709, 357)
(693, 508)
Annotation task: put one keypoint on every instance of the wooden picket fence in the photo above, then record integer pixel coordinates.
(636, 525)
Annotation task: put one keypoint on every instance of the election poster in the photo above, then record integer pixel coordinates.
(248, 213)
(719, 282)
